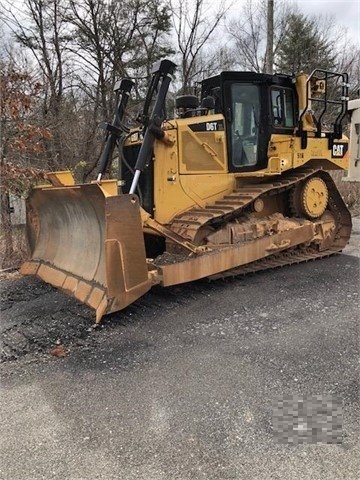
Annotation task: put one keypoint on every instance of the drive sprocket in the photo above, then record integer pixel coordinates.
(310, 198)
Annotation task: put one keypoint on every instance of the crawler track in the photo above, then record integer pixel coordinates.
(191, 224)
(277, 260)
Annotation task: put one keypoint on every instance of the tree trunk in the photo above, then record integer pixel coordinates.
(6, 230)
(269, 64)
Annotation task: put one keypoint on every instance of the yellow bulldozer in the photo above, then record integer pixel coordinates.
(236, 180)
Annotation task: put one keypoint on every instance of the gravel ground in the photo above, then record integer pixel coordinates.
(180, 384)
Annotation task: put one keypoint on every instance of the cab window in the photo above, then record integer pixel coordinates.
(244, 127)
(282, 107)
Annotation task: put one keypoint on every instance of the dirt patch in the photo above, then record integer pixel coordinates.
(35, 316)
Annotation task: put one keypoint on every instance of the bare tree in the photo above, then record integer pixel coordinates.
(269, 57)
(194, 23)
(348, 60)
(213, 60)
(249, 33)
(40, 27)
(112, 40)
(85, 20)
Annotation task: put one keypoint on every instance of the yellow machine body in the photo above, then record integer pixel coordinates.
(193, 170)
(204, 218)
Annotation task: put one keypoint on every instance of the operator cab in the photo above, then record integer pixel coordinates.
(254, 106)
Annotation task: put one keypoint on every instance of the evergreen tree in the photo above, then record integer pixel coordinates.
(304, 47)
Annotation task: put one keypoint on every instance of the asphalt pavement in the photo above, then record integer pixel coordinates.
(184, 390)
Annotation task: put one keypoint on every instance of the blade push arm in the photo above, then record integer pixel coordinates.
(162, 71)
(115, 129)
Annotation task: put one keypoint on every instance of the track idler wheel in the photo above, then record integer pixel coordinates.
(310, 198)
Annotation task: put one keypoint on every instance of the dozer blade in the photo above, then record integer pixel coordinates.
(88, 244)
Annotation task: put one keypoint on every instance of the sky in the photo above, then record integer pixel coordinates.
(346, 13)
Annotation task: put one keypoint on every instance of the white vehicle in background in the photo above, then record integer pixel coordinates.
(353, 174)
